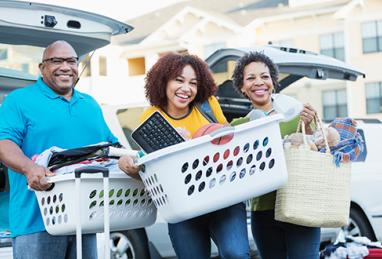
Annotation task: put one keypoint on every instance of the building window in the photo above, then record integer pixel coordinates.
(372, 36)
(374, 97)
(102, 66)
(3, 54)
(333, 45)
(86, 66)
(334, 104)
(137, 66)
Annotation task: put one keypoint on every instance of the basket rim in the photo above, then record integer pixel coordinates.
(207, 138)
(70, 176)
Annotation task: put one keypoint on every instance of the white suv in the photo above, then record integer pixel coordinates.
(294, 64)
(365, 217)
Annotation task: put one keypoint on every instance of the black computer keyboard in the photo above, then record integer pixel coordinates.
(156, 133)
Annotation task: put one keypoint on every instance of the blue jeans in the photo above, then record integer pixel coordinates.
(227, 227)
(275, 239)
(42, 245)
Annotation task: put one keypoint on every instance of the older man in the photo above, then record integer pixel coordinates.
(47, 113)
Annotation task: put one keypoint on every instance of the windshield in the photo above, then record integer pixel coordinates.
(21, 58)
(129, 120)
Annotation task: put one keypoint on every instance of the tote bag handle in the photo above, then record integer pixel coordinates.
(301, 126)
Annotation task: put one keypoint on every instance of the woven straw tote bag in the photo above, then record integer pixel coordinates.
(317, 193)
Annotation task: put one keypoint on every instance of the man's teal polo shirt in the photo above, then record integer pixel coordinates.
(36, 118)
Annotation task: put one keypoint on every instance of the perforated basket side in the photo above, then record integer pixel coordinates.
(208, 177)
(129, 205)
(57, 208)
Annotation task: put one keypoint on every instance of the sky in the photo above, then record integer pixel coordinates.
(118, 9)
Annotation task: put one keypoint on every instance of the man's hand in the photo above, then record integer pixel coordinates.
(13, 157)
(36, 177)
(126, 164)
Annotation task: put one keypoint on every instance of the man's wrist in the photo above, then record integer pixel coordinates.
(28, 167)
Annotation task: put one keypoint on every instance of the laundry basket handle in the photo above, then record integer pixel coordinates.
(222, 132)
(91, 170)
(118, 152)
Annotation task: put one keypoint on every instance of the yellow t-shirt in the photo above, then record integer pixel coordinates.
(194, 120)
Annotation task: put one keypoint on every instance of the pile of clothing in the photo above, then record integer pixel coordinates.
(64, 161)
(349, 248)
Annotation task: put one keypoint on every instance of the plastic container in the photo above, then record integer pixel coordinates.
(129, 204)
(197, 177)
(288, 106)
(374, 253)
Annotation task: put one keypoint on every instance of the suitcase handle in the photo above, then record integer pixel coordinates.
(105, 173)
(91, 170)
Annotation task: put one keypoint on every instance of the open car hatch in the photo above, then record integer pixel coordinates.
(35, 24)
(295, 63)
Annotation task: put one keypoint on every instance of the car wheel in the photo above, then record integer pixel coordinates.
(358, 225)
(129, 244)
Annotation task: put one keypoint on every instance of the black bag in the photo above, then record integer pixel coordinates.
(76, 155)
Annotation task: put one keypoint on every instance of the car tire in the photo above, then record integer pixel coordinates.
(359, 225)
(129, 244)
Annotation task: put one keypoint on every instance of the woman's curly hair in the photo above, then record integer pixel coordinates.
(171, 66)
(241, 63)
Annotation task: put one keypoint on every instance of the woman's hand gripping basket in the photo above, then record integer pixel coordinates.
(129, 204)
(197, 176)
(318, 192)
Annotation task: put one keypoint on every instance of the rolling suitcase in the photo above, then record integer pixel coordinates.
(105, 174)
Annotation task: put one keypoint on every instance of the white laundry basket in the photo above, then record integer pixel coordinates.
(196, 177)
(129, 204)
